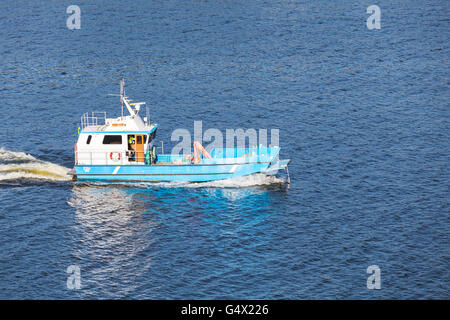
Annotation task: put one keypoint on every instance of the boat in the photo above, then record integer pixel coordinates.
(122, 149)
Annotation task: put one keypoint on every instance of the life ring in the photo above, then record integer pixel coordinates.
(114, 156)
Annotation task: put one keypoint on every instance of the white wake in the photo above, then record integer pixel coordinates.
(19, 165)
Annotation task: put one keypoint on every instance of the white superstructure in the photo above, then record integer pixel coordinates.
(109, 141)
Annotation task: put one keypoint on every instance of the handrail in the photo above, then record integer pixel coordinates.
(94, 118)
(107, 157)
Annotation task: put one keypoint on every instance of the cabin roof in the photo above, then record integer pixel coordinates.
(132, 124)
(110, 129)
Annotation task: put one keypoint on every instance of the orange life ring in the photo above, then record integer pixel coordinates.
(116, 158)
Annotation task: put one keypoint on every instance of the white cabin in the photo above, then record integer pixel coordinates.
(114, 141)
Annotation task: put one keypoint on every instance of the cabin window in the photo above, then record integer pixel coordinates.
(116, 139)
(139, 140)
(89, 139)
(145, 139)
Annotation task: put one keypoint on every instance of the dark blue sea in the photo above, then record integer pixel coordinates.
(363, 115)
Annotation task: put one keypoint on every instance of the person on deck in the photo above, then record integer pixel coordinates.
(131, 142)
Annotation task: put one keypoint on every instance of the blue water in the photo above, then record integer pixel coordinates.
(363, 114)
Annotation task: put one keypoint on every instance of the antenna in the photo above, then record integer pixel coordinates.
(122, 85)
(121, 95)
(127, 102)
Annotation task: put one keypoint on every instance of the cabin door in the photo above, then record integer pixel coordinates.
(140, 157)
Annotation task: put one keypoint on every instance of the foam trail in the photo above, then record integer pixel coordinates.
(19, 165)
(11, 156)
(258, 179)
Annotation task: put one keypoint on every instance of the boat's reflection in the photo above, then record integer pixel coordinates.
(121, 229)
(113, 207)
(111, 232)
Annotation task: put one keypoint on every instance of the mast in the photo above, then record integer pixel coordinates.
(127, 102)
(122, 85)
(124, 99)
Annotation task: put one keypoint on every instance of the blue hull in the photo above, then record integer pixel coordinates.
(195, 173)
(224, 164)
